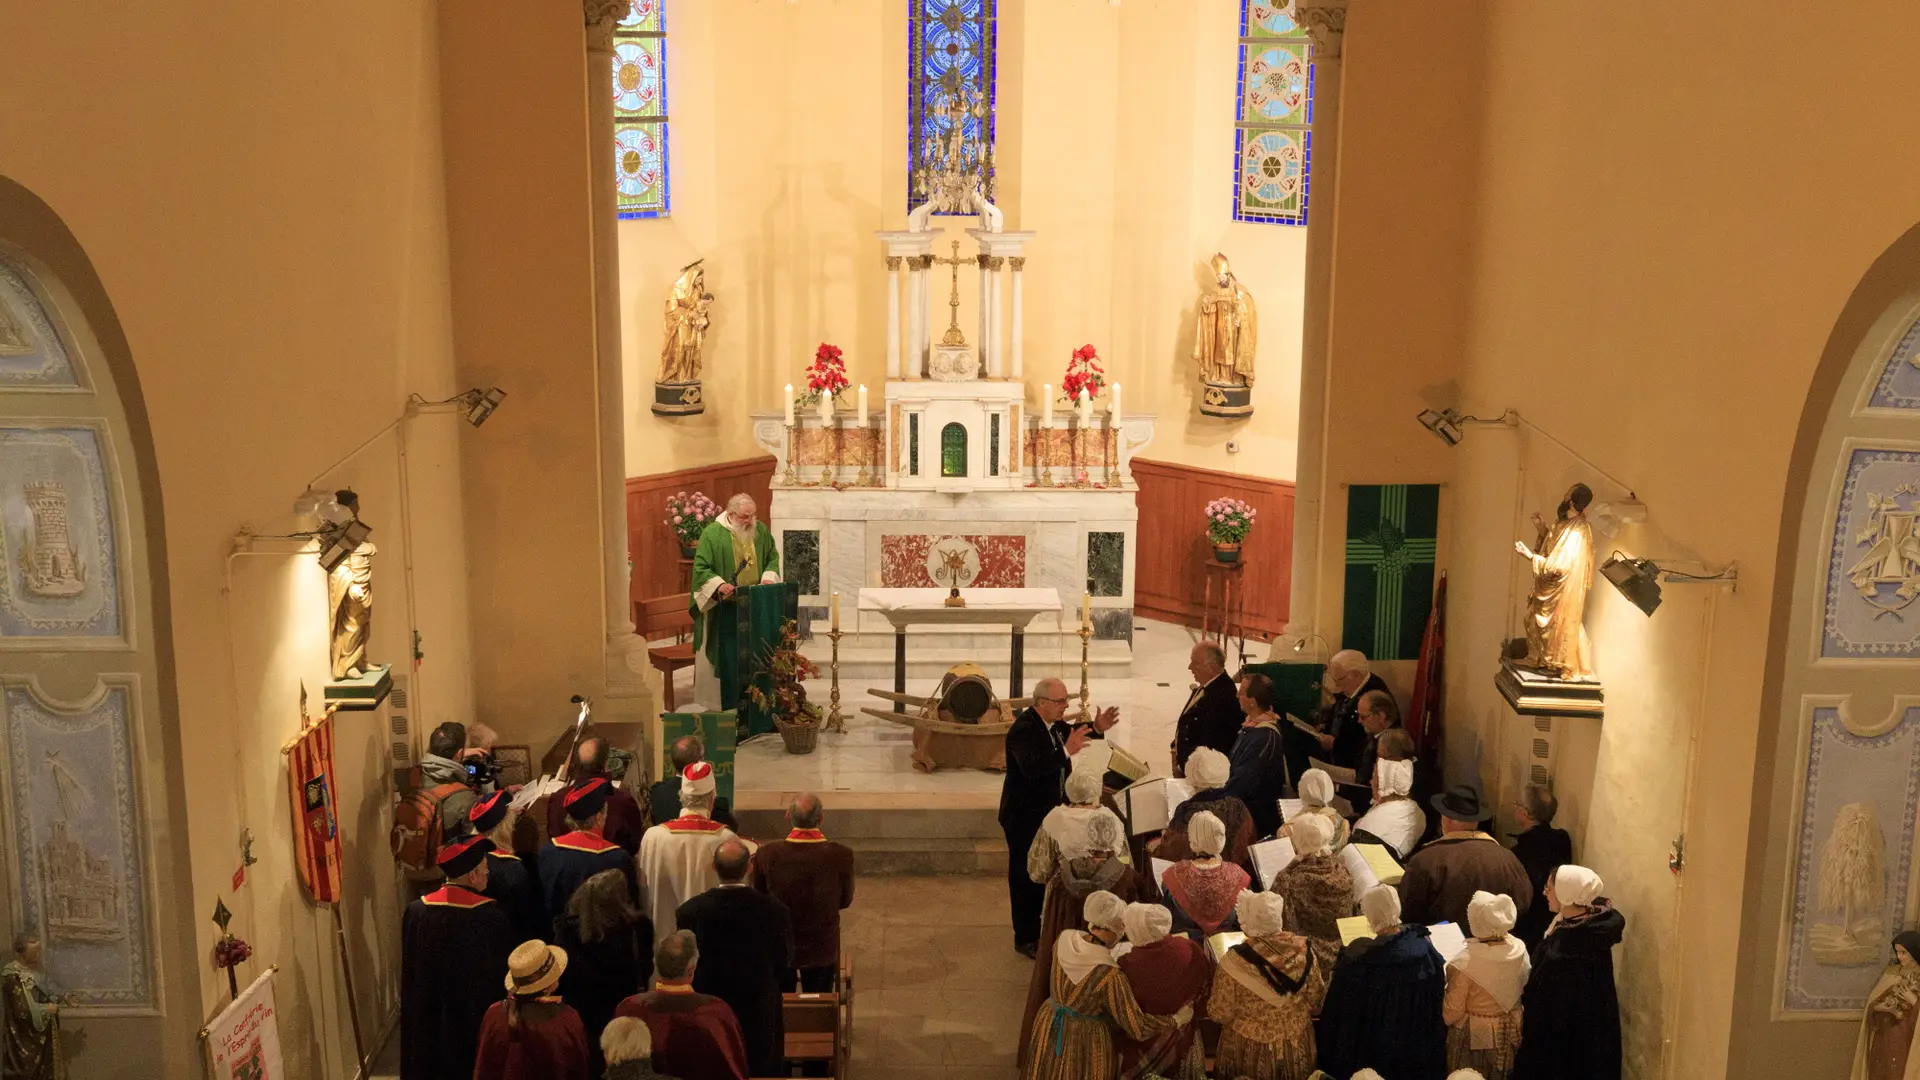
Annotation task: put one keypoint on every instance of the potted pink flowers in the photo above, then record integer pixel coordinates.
(1228, 523)
(687, 516)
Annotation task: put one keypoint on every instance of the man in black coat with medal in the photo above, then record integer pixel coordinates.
(1039, 746)
(1212, 717)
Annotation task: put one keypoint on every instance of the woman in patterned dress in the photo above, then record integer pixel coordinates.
(1317, 887)
(1484, 983)
(1265, 994)
(1099, 868)
(1073, 1030)
(1202, 891)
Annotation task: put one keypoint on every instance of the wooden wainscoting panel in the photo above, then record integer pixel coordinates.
(658, 572)
(1169, 568)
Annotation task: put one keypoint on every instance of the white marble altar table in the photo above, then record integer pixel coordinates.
(1011, 607)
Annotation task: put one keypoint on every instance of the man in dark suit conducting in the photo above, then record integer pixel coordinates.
(1212, 716)
(746, 949)
(1039, 746)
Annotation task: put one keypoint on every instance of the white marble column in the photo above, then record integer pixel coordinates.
(893, 316)
(922, 305)
(1018, 263)
(986, 359)
(996, 322)
(628, 697)
(1325, 21)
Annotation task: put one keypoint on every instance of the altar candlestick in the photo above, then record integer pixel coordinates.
(836, 609)
(1046, 405)
(1113, 407)
(1086, 609)
(863, 405)
(789, 404)
(1086, 409)
(826, 409)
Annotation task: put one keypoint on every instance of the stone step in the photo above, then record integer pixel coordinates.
(927, 663)
(904, 841)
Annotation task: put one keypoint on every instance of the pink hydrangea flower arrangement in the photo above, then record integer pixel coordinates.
(688, 515)
(1228, 521)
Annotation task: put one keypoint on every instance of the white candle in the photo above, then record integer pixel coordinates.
(836, 609)
(826, 409)
(863, 404)
(1086, 609)
(1046, 405)
(1113, 407)
(789, 404)
(1086, 409)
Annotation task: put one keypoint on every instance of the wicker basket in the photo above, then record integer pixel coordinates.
(800, 738)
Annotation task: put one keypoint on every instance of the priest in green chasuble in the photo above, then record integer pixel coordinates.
(736, 550)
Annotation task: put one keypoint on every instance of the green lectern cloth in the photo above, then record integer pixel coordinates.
(755, 630)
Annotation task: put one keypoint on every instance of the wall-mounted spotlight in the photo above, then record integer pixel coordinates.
(481, 403)
(1449, 424)
(341, 531)
(1639, 579)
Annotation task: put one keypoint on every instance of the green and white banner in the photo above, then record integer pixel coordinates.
(1391, 530)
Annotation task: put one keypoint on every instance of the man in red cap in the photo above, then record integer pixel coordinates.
(625, 819)
(454, 945)
(568, 861)
(676, 856)
(509, 880)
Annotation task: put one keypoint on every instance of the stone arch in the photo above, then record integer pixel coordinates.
(94, 816)
(1839, 721)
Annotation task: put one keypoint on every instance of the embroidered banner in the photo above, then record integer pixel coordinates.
(316, 834)
(243, 1042)
(1391, 531)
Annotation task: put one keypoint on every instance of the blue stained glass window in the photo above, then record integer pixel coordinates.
(640, 111)
(1273, 140)
(951, 46)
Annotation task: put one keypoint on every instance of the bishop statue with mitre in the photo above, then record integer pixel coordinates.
(735, 550)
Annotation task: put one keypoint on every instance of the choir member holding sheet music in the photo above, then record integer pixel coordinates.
(1207, 777)
(1316, 797)
(1266, 991)
(1383, 1008)
(1317, 887)
(1202, 891)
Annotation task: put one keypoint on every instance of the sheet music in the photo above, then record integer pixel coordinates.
(1220, 943)
(1353, 928)
(1270, 857)
(1447, 939)
(1386, 869)
(1160, 868)
(1291, 808)
(1151, 803)
(546, 785)
(1363, 876)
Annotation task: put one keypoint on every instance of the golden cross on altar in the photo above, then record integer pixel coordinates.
(953, 336)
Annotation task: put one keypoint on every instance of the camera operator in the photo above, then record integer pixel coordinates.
(449, 760)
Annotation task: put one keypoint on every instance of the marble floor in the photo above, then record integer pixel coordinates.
(868, 767)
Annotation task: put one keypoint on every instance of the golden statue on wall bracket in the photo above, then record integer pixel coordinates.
(677, 391)
(1226, 334)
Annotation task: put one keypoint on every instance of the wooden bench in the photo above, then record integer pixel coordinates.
(819, 1027)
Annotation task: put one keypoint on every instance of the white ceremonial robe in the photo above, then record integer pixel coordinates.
(676, 864)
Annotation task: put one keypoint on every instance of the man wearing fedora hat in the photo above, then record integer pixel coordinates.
(454, 944)
(533, 1035)
(1442, 877)
(569, 860)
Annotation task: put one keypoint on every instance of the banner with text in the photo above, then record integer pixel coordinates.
(243, 1042)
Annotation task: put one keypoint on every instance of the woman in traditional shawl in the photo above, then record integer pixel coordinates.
(1072, 881)
(1570, 1027)
(1265, 994)
(1063, 832)
(1394, 819)
(1484, 983)
(1206, 774)
(1165, 973)
(1202, 891)
(1316, 797)
(1088, 1001)
(1383, 1007)
(1888, 1043)
(33, 1048)
(1317, 886)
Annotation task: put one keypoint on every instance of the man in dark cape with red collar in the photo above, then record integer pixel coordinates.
(694, 1034)
(625, 818)
(570, 859)
(510, 880)
(454, 945)
(747, 937)
(813, 876)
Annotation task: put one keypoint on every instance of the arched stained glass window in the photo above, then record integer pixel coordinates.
(951, 46)
(953, 450)
(640, 110)
(1273, 146)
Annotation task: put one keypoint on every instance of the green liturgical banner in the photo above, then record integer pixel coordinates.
(718, 730)
(1391, 530)
(756, 634)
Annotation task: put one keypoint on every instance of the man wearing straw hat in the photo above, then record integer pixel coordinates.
(533, 1035)
(453, 944)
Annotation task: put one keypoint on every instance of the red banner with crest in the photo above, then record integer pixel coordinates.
(316, 831)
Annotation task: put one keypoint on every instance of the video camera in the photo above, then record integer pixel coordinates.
(481, 770)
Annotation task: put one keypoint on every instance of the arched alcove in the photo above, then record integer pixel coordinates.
(92, 807)
(953, 450)
(1831, 867)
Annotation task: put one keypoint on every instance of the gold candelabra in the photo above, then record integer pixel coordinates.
(1043, 457)
(1086, 636)
(836, 720)
(833, 457)
(1104, 455)
(793, 475)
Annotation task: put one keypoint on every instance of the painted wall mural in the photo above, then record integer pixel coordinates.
(1873, 572)
(60, 576)
(1899, 384)
(31, 353)
(908, 560)
(79, 864)
(1853, 858)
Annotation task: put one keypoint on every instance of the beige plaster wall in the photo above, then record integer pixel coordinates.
(1665, 233)
(1115, 144)
(259, 189)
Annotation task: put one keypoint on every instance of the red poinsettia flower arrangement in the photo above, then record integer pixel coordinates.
(826, 376)
(1083, 373)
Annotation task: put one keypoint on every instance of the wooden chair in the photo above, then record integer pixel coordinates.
(667, 613)
(819, 1027)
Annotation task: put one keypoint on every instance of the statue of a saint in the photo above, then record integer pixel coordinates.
(677, 392)
(350, 604)
(1227, 331)
(33, 1044)
(1562, 558)
(1886, 1049)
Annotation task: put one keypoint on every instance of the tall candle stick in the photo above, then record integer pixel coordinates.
(1113, 407)
(789, 404)
(1086, 408)
(1086, 609)
(863, 405)
(836, 609)
(826, 409)
(1046, 405)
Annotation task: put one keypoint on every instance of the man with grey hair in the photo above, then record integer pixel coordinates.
(1341, 738)
(1040, 747)
(692, 1034)
(735, 550)
(663, 798)
(1212, 715)
(813, 876)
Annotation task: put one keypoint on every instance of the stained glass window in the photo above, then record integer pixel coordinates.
(640, 110)
(1273, 146)
(951, 45)
(953, 450)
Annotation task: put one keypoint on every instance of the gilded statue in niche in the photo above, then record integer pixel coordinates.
(677, 391)
(1226, 333)
(1562, 561)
